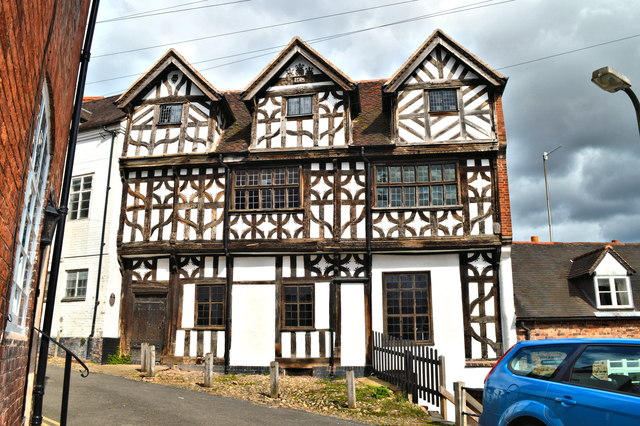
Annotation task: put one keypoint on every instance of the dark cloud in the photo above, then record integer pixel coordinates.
(593, 178)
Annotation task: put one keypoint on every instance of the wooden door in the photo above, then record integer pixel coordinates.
(148, 323)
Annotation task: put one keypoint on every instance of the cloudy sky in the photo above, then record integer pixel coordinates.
(594, 179)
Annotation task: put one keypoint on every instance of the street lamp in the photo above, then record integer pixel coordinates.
(51, 218)
(545, 157)
(612, 81)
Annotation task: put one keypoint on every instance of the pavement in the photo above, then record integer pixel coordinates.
(102, 399)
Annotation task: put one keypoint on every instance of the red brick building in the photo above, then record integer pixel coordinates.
(40, 50)
(564, 290)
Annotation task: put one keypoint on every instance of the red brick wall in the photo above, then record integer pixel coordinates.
(503, 180)
(39, 38)
(592, 328)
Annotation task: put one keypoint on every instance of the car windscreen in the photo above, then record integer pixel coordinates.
(541, 362)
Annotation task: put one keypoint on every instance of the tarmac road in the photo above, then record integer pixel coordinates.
(100, 399)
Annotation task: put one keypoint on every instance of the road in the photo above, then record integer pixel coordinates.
(108, 400)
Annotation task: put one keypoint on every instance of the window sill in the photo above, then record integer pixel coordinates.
(299, 117)
(302, 329)
(421, 208)
(262, 211)
(73, 299)
(168, 124)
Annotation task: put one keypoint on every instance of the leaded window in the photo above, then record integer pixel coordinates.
(170, 114)
(80, 197)
(77, 284)
(408, 306)
(443, 100)
(29, 232)
(298, 306)
(210, 305)
(613, 292)
(267, 189)
(416, 185)
(299, 105)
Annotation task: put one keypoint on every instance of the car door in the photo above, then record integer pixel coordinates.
(602, 387)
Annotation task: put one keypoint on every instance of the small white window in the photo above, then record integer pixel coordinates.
(299, 105)
(80, 197)
(77, 284)
(32, 211)
(613, 292)
(170, 114)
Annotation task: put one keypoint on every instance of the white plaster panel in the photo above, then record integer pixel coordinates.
(353, 350)
(253, 315)
(300, 266)
(254, 268)
(408, 137)
(315, 344)
(285, 340)
(222, 266)
(193, 343)
(321, 313)
(179, 343)
(163, 272)
(206, 341)
(300, 344)
(188, 305)
(610, 266)
(443, 123)
(220, 348)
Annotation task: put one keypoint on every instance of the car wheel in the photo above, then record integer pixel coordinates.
(527, 421)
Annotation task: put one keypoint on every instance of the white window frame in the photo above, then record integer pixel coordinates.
(75, 207)
(73, 278)
(614, 301)
(33, 206)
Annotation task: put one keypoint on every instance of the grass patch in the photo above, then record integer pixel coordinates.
(118, 358)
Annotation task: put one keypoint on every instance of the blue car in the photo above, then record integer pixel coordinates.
(565, 382)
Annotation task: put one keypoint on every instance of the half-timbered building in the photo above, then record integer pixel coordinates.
(290, 220)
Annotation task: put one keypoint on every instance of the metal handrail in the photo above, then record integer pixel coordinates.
(67, 379)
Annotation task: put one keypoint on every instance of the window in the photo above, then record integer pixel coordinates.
(420, 185)
(80, 197)
(443, 100)
(298, 306)
(299, 105)
(210, 309)
(77, 284)
(170, 114)
(408, 306)
(29, 231)
(539, 362)
(267, 189)
(613, 292)
(613, 368)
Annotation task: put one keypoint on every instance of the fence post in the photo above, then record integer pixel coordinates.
(151, 357)
(208, 369)
(408, 375)
(351, 388)
(458, 393)
(143, 357)
(442, 379)
(275, 379)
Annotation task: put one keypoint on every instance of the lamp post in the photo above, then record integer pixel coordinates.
(612, 81)
(545, 157)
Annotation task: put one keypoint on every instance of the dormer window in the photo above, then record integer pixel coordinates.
(613, 292)
(299, 105)
(170, 114)
(443, 100)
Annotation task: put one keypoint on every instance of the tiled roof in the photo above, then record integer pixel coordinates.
(100, 112)
(372, 125)
(542, 288)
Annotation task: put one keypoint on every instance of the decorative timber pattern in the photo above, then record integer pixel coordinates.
(471, 121)
(480, 193)
(306, 344)
(352, 201)
(324, 128)
(196, 127)
(480, 302)
(198, 343)
(160, 205)
(323, 266)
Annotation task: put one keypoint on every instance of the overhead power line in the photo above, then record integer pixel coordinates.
(164, 10)
(264, 27)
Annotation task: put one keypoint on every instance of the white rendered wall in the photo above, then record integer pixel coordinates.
(352, 340)
(254, 269)
(81, 246)
(507, 304)
(253, 317)
(446, 302)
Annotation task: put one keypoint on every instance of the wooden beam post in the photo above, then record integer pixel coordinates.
(208, 369)
(442, 379)
(458, 392)
(151, 361)
(275, 379)
(351, 388)
(143, 357)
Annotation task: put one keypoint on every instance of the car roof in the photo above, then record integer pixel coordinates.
(576, 341)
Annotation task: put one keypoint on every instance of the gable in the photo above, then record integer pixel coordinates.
(441, 65)
(610, 266)
(172, 83)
